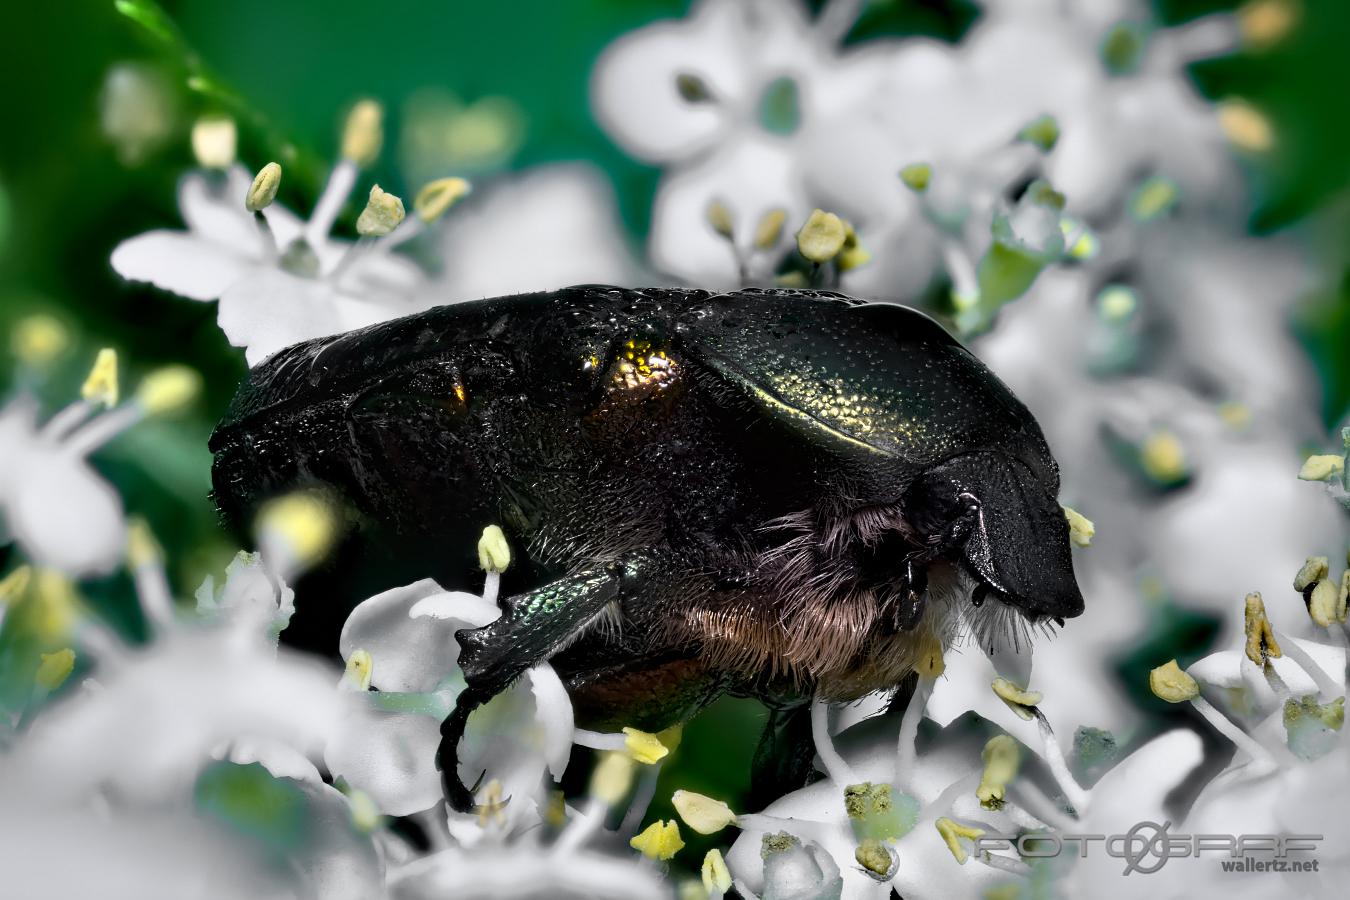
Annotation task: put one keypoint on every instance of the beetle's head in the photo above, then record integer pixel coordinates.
(991, 512)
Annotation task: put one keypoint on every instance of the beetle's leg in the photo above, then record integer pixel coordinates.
(913, 594)
(533, 626)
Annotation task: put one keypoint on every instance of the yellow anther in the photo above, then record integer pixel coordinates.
(366, 816)
(55, 668)
(876, 857)
(952, 834)
(643, 746)
(142, 548)
(1261, 644)
(383, 213)
(1081, 528)
(929, 662)
(769, 231)
(1264, 23)
(719, 217)
(168, 389)
(100, 388)
(1001, 757)
(1322, 467)
(493, 808)
(716, 876)
(1314, 569)
(701, 813)
(15, 584)
(659, 840)
(264, 188)
(39, 339)
(1168, 682)
(1019, 700)
(436, 197)
(360, 667)
(1246, 127)
(822, 237)
(916, 176)
(853, 254)
(214, 141)
(612, 778)
(1163, 457)
(494, 554)
(363, 134)
(304, 521)
(1326, 605)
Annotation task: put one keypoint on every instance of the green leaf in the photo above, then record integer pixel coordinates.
(249, 800)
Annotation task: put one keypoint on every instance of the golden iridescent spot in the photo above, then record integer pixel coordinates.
(460, 394)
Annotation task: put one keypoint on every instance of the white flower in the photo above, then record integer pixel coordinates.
(388, 743)
(754, 106)
(274, 290)
(486, 873)
(63, 514)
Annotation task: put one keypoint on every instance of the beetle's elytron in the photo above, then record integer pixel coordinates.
(780, 494)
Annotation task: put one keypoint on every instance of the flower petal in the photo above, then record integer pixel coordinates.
(182, 263)
(388, 753)
(65, 516)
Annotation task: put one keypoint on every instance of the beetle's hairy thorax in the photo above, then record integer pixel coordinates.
(813, 618)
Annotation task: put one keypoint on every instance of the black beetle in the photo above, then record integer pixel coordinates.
(776, 493)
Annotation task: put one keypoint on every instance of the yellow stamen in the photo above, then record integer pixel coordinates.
(15, 584)
(701, 813)
(952, 833)
(822, 237)
(916, 176)
(142, 548)
(1001, 757)
(716, 876)
(643, 746)
(1264, 23)
(100, 388)
(1019, 700)
(1322, 467)
(214, 142)
(1245, 126)
(494, 554)
(1168, 682)
(1261, 644)
(383, 213)
(1314, 569)
(769, 231)
(363, 134)
(493, 808)
(612, 778)
(305, 521)
(360, 668)
(436, 197)
(659, 840)
(719, 217)
(39, 339)
(168, 389)
(264, 188)
(55, 668)
(1081, 528)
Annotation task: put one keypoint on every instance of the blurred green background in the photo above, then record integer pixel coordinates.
(289, 69)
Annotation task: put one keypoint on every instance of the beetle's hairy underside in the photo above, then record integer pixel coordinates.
(772, 493)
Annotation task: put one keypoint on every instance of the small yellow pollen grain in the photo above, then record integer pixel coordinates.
(360, 667)
(1264, 23)
(1168, 682)
(1261, 645)
(701, 813)
(1163, 457)
(264, 188)
(769, 231)
(1245, 126)
(822, 237)
(39, 339)
(214, 142)
(494, 554)
(100, 388)
(644, 746)
(57, 606)
(952, 833)
(436, 197)
(555, 810)
(383, 213)
(1322, 467)
(304, 521)
(363, 133)
(659, 840)
(15, 584)
(1081, 528)
(168, 389)
(719, 218)
(716, 876)
(612, 778)
(1117, 303)
(55, 668)
(142, 548)
(1019, 700)
(1313, 570)
(1001, 757)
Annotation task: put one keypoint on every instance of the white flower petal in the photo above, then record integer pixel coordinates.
(182, 263)
(65, 516)
(387, 753)
(411, 654)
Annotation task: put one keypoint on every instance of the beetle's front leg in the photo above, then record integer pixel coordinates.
(533, 626)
